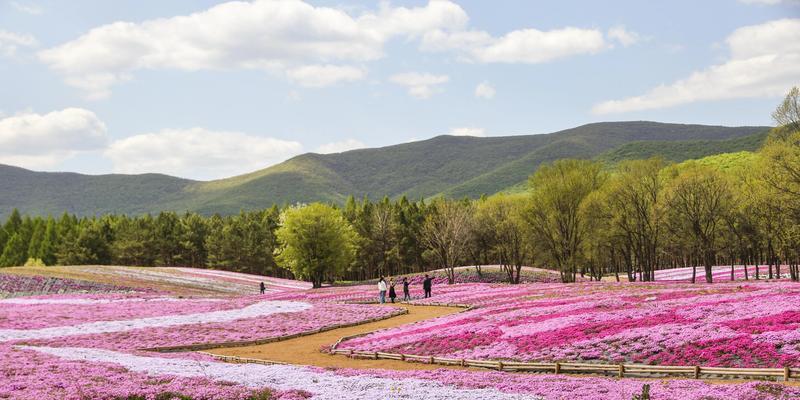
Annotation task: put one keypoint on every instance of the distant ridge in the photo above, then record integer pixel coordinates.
(455, 166)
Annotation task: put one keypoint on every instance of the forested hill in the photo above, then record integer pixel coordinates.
(444, 165)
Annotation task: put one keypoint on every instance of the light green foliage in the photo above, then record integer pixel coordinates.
(34, 262)
(316, 242)
(554, 213)
(499, 222)
(698, 199)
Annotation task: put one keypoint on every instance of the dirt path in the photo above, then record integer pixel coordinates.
(305, 350)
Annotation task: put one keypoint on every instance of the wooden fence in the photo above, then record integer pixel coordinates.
(619, 370)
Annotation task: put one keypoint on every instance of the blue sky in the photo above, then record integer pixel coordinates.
(209, 89)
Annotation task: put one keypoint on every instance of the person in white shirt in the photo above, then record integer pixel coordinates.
(382, 290)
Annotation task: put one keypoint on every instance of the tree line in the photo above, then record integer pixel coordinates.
(580, 217)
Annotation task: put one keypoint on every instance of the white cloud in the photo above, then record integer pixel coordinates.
(324, 75)
(198, 153)
(530, 46)
(623, 36)
(485, 90)
(10, 42)
(27, 8)
(763, 62)
(40, 141)
(339, 147)
(420, 85)
(270, 35)
(467, 131)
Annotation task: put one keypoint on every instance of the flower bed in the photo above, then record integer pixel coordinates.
(19, 285)
(126, 323)
(205, 379)
(78, 346)
(192, 280)
(726, 324)
(720, 273)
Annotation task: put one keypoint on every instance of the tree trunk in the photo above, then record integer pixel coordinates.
(745, 270)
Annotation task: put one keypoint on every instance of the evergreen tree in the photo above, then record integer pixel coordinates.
(194, 231)
(47, 250)
(4, 236)
(13, 223)
(35, 243)
(15, 252)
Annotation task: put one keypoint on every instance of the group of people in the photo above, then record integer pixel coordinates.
(383, 288)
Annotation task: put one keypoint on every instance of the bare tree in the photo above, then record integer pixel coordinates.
(446, 234)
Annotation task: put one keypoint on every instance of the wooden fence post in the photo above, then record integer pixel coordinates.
(499, 365)
(696, 372)
(621, 371)
(375, 355)
(463, 362)
(431, 359)
(558, 367)
(786, 373)
(402, 357)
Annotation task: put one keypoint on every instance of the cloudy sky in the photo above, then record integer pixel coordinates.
(207, 89)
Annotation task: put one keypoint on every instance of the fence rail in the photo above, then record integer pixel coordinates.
(619, 370)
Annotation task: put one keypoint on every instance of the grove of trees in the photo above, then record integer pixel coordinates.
(580, 217)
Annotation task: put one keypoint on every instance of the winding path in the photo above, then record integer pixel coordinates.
(305, 350)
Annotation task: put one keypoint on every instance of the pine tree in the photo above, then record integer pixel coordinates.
(4, 236)
(13, 223)
(47, 250)
(37, 237)
(15, 252)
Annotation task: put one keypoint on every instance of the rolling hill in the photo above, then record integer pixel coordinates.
(445, 165)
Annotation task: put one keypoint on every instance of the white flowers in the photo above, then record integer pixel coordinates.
(259, 309)
(324, 385)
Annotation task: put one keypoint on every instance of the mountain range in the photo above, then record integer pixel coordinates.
(454, 166)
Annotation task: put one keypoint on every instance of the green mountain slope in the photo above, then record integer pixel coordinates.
(683, 150)
(56, 192)
(444, 165)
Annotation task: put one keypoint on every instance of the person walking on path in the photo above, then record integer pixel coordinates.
(392, 293)
(263, 287)
(426, 285)
(382, 290)
(406, 294)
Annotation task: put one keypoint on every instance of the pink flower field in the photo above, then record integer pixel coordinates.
(727, 324)
(93, 345)
(720, 273)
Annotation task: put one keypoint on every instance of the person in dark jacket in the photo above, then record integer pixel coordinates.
(406, 293)
(263, 288)
(392, 293)
(427, 285)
